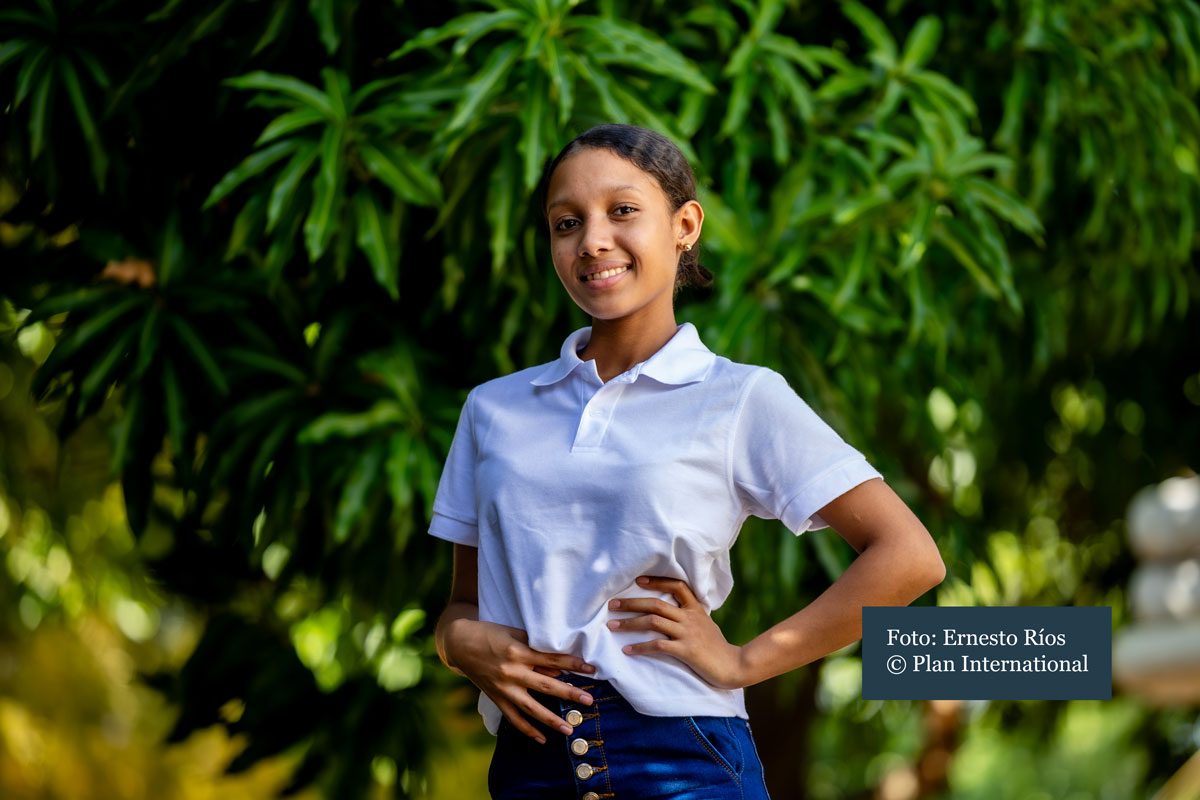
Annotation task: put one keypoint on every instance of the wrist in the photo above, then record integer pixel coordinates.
(451, 632)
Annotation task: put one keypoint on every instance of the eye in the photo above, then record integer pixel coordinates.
(559, 225)
(631, 208)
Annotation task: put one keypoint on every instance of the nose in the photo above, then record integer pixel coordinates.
(596, 238)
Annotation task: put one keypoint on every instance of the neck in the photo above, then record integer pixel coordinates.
(618, 344)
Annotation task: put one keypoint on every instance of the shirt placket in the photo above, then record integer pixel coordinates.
(599, 409)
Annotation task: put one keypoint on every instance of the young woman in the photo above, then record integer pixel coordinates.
(593, 501)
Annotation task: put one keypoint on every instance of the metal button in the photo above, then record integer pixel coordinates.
(574, 717)
(579, 746)
(590, 796)
(584, 771)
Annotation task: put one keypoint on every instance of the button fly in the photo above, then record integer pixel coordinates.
(579, 746)
(574, 717)
(585, 771)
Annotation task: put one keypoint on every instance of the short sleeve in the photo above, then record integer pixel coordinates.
(454, 516)
(787, 462)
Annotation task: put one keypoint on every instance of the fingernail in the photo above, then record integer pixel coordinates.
(541, 740)
(588, 668)
(585, 698)
(615, 604)
(614, 624)
(565, 729)
(643, 580)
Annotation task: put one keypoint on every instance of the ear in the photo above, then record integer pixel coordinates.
(689, 218)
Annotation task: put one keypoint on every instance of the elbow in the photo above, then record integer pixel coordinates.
(935, 570)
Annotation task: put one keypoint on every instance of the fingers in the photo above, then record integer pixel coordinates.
(680, 588)
(648, 605)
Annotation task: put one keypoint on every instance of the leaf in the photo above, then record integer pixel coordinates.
(349, 425)
(318, 225)
(266, 363)
(533, 112)
(251, 166)
(638, 48)
(471, 25)
(939, 86)
(874, 30)
(917, 235)
(1006, 205)
(560, 80)
(377, 242)
(148, 341)
(289, 178)
(102, 372)
(322, 14)
(75, 300)
(337, 89)
(483, 86)
(39, 115)
(285, 85)
(363, 476)
(286, 123)
(31, 71)
(499, 210)
(200, 353)
(963, 245)
(922, 42)
(174, 403)
(407, 177)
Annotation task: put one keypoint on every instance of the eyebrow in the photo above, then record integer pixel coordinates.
(610, 190)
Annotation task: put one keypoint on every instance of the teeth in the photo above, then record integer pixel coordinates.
(608, 273)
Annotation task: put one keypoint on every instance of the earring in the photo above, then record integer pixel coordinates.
(687, 247)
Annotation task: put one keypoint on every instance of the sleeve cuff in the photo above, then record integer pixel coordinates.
(800, 514)
(454, 530)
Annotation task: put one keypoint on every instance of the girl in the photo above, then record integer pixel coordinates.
(593, 501)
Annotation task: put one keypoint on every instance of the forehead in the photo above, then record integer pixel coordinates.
(592, 173)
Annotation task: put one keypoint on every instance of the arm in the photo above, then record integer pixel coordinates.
(464, 599)
(898, 562)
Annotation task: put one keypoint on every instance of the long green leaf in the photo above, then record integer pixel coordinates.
(318, 225)
(402, 172)
(285, 85)
(199, 353)
(376, 242)
(289, 178)
(286, 123)
(251, 166)
(483, 86)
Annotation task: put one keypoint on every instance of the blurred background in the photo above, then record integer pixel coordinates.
(255, 253)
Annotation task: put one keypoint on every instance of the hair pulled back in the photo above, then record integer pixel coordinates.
(656, 155)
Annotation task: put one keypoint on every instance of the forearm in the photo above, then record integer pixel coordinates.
(455, 611)
(884, 574)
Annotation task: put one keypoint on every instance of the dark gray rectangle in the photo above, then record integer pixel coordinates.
(987, 653)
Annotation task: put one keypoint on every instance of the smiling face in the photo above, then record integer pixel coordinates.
(614, 238)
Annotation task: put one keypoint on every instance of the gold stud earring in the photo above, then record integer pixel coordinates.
(687, 247)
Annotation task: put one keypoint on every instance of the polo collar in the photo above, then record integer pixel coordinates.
(683, 359)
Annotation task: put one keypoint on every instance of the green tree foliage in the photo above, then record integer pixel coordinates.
(277, 243)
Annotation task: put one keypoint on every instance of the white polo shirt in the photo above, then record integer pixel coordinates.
(572, 487)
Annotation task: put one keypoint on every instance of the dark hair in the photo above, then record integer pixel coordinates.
(655, 154)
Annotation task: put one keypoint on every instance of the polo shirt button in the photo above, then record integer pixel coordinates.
(574, 717)
(585, 771)
(579, 746)
(590, 796)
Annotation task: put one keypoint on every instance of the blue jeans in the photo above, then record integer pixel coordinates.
(617, 753)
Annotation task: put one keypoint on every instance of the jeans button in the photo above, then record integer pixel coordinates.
(579, 746)
(590, 796)
(584, 771)
(574, 718)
